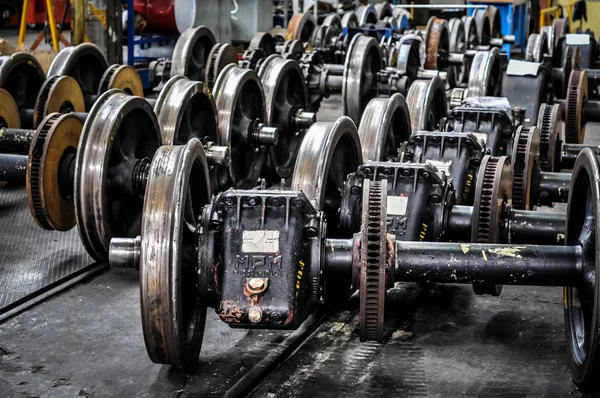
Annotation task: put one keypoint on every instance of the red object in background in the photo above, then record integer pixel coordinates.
(36, 14)
(158, 14)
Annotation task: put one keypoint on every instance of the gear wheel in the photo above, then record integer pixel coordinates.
(549, 124)
(58, 94)
(492, 194)
(221, 55)
(525, 162)
(577, 93)
(373, 244)
(53, 146)
(122, 77)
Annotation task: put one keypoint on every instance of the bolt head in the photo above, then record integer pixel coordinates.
(256, 283)
(255, 314)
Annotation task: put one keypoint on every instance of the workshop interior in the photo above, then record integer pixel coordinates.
(299, 198)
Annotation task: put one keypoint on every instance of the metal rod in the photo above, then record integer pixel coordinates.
(569, 153)
(15, 141)
(13, 168)
(488, 263)
(536, 227)
(553, 187)
(460, 221)
(591, 111)
(338, 259)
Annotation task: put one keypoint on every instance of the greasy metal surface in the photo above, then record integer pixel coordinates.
(32, 259)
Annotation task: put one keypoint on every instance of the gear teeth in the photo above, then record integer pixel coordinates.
(35, 162)
(373, 279)
(107, 77)
(211, 67)
(519, 167)
(573, 125)
(485, 208)
(547, 127)
(42, 99)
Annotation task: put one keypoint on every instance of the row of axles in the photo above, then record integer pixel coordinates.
(265, 258)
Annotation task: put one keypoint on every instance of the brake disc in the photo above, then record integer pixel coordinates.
(549, 122)
(301, 27)
(121, 77)
(240, 102)
(577, 94)
(185, 109)
(285, 94)
(173, 312)
(485, 78)
(525, 163)
(329, 152)
(366, 15)
(191, 53)
(373, 270)
(9, 112)
(22, 76)
(86, 64)
(363, 61)
(49, 194)
(120, 136)
(221, 55)
(437, 41)
(59, 94)
(493, 193)
(426, 100)
(385, 125)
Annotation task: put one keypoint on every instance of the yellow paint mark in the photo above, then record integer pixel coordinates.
(99, 13)
(423, 233)
(508, 251)
(331, 244)
(299, 276)
(465, 247)
(484, 256)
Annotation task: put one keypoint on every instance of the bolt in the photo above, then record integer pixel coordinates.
(435, 198)
(255, 314)
(252, 201)
(228, 201)
(368, 170)
(256, 284)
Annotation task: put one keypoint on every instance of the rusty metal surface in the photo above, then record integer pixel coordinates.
(32, 259)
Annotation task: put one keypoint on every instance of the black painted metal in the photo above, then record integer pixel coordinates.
(15, 140)
(13, 168)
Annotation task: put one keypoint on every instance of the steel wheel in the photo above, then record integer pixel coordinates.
(384, 10)
(485, 77)
(86, 64)
(173, 313)
(301, 27)
(426, 100)
(329, 152)
(384, 127)
(9, 113)
(582, 304)
(121, 77)
(240, 102)
(191, 53)
(483, 24)
(285, 92)
(22, 76)
(363, 61)
(458, 44)
(119, 133)
(59, 94)
(366, 15)
(185, 110)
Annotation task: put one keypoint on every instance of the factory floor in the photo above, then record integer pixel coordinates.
(441, 341)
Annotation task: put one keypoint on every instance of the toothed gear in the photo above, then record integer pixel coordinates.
(107, 77)
(312, 68)
(221, 55)
(37, 151)
(525, 158)
(549, 123)
(577, 94)
(492, 194)
(43, 97)
(372, 260)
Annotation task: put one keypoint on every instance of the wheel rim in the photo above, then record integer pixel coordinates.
(86, 64)
(240, 101)
(285, 90)
(384, 126)
(328, 153)
(582, 303)
(22, 76)
(191, 53)
(185, 109)
(426, 100)
(59, 94)
(119, 131)
(173, 313)
(363, 61)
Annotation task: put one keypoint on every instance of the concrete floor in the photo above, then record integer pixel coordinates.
(441, 342)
